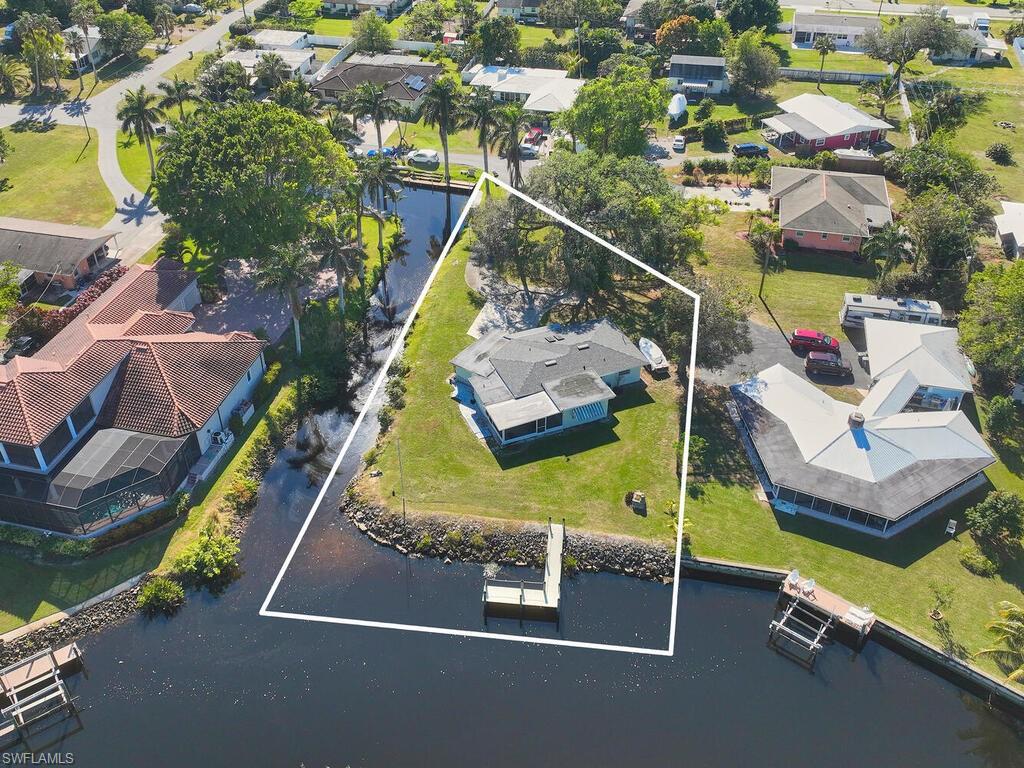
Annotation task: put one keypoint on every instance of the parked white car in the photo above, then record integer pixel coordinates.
(528, 150)
(424, 157)
(679, 144)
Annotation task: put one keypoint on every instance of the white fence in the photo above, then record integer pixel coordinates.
(1018, 48)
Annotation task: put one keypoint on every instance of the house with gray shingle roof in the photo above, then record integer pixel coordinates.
(546, 379)
(48, 252)
(829, 210)
(112, 415)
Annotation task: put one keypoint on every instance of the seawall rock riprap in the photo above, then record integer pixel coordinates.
(455, 537)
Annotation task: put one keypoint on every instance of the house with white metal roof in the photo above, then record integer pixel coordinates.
(813, 122)
(932, 354)
(538, 90)
(873, 467)
(545, 379)
(845, 30)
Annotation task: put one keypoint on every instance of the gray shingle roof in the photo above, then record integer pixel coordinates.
(830, 201)
(44, 246)
(531, 361)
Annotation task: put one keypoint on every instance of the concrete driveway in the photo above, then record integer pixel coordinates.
(738, 198)
(771, 347)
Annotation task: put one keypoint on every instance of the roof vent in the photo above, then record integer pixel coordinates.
(858, 299)
(581, 347)
(559, 337)
(856, 420)
(549, 339)
(549, 363)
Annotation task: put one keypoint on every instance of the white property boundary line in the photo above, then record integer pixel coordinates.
(398, 345)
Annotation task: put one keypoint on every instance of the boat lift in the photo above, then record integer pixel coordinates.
(33, 690)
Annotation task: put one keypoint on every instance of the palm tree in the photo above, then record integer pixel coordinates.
(340, 126)
(879, 94)
(74, 41)
(824, 45)
(512, 121)
(83, 14)
(338, 251)
(441, 109)
(164, 21)
(176, 93)
(481, 114)
(13, 76)
(139, 116)
(372, 101)
(888, 245)
(296, 96)
(286, 269)
(383, 183)
(36, 31)
(354, 190)
(271, 71)
(1009, 633)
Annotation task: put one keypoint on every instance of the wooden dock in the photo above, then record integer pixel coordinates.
(530, 599)
(33, 690)
(860, 620)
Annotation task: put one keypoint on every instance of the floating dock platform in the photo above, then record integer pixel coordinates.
(530, 599)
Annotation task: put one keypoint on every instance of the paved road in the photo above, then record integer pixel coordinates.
(136, 217)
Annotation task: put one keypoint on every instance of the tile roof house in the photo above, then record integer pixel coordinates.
(813, 122)
(538, 90)
(546, 379)
(829, 210)
(129, 366)
(698, 75)
(45, 250)
(873, 467)
(405, 78)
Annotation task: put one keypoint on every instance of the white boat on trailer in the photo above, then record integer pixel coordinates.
(654, 355)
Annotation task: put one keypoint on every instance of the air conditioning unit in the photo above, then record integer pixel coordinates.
(219, 438)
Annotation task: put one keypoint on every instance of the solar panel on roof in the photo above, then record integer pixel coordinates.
(415, 82)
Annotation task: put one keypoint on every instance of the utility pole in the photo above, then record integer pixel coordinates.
(401, 474)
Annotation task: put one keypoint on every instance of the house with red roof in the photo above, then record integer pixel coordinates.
(110, 417)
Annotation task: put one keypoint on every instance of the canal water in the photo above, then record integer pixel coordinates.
(217, 685)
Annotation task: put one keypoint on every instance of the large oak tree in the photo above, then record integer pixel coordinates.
(248, 176)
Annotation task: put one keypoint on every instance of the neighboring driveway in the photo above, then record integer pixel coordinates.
(771, 347)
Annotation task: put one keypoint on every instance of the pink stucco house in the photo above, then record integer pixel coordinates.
(829, 210)
(812, 122)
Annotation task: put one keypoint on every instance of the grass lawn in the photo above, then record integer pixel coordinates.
(809, 291)
(894, 577)
(30, 591)
(186, 69)
(343, 27)
(533, 36)
(1003, 87)
(448, 470)
(134, 160)
(54, 176)
(808, 58)
(424, 136)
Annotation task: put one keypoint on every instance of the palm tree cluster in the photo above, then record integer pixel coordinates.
(1008, 630)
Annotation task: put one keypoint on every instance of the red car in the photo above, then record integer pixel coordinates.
(806, 340)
